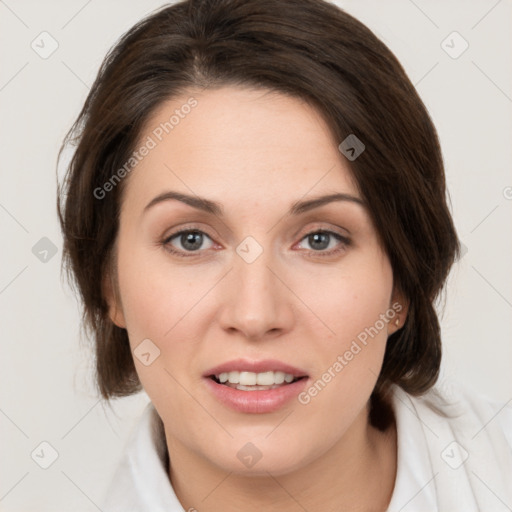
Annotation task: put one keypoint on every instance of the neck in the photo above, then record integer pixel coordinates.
(357, 473)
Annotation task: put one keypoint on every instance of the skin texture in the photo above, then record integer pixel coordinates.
(256, 152)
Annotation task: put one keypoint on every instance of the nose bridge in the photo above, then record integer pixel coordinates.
(257, 302)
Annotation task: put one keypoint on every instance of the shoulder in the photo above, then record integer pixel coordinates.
(467, 438)
(465, 410)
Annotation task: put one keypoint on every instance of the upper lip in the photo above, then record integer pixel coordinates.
(246, 365)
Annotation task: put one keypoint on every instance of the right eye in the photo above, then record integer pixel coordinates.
(186, 241)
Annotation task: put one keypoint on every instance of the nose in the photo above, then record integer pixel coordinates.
(258, 304)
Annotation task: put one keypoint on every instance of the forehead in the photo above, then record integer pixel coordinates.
(241, 145)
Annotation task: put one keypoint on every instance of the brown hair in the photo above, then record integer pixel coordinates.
(309, 49)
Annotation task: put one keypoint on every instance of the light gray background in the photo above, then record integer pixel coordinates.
(46, 392)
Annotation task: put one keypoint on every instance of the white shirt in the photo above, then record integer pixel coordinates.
(444, 464)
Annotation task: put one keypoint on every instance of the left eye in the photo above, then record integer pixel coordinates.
(321, 240)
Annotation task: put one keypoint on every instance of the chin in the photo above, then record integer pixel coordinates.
(257, 456)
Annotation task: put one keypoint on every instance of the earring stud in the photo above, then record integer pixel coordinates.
(397, 322)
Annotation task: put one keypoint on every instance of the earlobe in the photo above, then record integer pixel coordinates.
(400, 305)
(116, 315)
(115, 310)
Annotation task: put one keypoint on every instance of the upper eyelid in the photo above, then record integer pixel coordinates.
(317, 226)
(180, 231)
(313, 229)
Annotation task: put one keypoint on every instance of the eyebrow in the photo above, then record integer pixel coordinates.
(214, 208)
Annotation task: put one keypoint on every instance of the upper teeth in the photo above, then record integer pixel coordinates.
(253, 379)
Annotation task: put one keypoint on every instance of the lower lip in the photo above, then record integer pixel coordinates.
(259, 402)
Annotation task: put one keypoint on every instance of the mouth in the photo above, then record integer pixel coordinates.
(251, 381)
(255, 386)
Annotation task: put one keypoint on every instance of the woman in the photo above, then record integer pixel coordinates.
(255, 216)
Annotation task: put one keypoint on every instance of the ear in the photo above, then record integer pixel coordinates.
(400, 305)
(111, 294)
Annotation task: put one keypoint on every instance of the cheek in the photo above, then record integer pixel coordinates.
(355, 310)
(165, 303)
(350, 298)
(154, 294)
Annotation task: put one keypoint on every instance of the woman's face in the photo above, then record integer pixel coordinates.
(266, 277)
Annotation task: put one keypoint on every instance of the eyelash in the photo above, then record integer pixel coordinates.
(345, 242)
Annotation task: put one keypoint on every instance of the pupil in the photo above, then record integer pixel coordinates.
(321, 238)
(192, 240)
